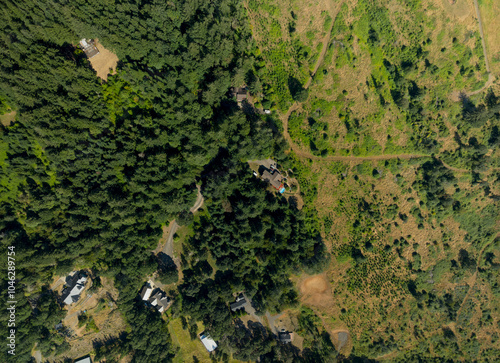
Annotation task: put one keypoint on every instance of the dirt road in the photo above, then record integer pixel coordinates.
(169, 245)
(476, 5)
(199, 201)
(271, 319)
(307, 155)
(491, 78)
(326, 42)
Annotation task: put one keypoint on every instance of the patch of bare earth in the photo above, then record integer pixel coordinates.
(107, 318)
(315, 291)
(163, 239)
(459, 9)
(105, 62)
(8, 118)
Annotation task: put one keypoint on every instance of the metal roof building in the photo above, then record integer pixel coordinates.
(208, 342)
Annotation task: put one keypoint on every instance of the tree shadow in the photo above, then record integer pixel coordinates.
(165, 261)
(298, 92)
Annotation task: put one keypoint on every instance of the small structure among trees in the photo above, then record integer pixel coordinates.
(89, 48)
(208, 342)
(84, 360)
(240, 93)
(285, 337)
(239, 303)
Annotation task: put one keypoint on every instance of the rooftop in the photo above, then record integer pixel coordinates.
(285, 337)
(274, 178)
(84, 360)
(208, 342)
(89, 48)
(155, 296)
(72, 293)
(146, 292)
(238, 304)
(240, 93)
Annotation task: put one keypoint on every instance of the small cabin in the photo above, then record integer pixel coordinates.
(89, 48)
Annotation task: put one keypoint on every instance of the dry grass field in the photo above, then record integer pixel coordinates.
(382, 305)
(375, 219)
(99, 305)
(490, 10)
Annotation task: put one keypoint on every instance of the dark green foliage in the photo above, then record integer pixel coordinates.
(184, 218)
(34, 324)
(298, 92)
(92, 170)
(256, 239)
(317, 343)
(167, 269)
(431, 183)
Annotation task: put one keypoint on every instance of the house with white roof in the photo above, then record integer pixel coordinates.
(75, 288)
(208, 342)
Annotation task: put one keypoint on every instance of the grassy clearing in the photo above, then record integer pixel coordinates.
(405, 240)
(380, 72)
(491, 24)
(289, 35)
(8, 118)
(189, 349)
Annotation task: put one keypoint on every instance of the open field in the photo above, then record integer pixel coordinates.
(491, 24)
(365, 292)
(105, 62)
(356, 104)
(190, 350)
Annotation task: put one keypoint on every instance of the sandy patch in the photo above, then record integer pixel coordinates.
(316, 291)
(341, 340)
(105, 62)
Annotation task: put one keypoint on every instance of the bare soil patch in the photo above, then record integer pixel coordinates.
(164, 236)
(105, 62)
(107, 318)
(8, 118)
(341, 340)
(316, 292)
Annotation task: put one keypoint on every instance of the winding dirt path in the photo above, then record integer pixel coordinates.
(491, 78)
(307, 155)
(168, 249)
(478, 13)
(325, 41)
(296, 105)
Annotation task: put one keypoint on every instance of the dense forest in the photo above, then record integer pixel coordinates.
(92, 169)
